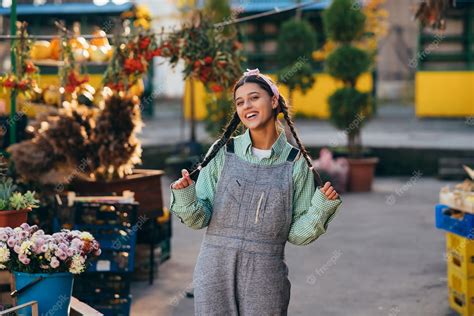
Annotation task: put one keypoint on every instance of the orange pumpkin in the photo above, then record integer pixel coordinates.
(40, 50)
(55, 48)
(99, 39)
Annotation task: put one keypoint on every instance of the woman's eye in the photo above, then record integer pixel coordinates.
(254, 98)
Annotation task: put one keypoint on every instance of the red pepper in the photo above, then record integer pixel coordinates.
(22, 85)
(157, 52)
(30, 68)
(144, 43)
(217, 88)
(9, 83)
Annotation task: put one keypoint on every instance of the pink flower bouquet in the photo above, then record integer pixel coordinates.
(28, 249)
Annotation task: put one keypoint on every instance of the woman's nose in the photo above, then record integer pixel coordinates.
(247, 104)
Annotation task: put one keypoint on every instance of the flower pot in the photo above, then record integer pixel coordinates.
(53, 292)
(13, 218)
(361, 174)
(144, 182)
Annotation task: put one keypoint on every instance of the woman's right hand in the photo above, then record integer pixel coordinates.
(182, 182)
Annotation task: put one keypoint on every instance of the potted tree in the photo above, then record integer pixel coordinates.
(43, 265)
(350, 108)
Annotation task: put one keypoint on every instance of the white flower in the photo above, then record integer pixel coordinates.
(77, 264)
(86, 236)
(4, 254)
(26, 246)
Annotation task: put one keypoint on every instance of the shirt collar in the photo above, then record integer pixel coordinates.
(277, 147)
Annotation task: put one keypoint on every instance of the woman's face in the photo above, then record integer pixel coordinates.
(254, 105)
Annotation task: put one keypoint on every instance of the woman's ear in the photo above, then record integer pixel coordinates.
(274, 102)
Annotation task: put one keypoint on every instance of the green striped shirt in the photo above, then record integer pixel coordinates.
(312, 211)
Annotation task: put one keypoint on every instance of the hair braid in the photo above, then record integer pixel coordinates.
(228, 131)
(304, 152)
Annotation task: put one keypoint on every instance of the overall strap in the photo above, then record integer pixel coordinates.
(292, 155)
(230, 145)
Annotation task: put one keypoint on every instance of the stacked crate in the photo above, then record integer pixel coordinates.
(459, 256)
(106, 284)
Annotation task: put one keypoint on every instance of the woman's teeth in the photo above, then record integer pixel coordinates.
(251, 116)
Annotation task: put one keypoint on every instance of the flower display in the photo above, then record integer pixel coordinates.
(28, 249)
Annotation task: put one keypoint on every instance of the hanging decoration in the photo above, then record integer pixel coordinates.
(433, 13)
(26, 76)
(209, 55)
(131, 59)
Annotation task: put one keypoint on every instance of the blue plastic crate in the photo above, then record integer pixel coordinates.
(455, 221)
(106, 213)
(113, 261)
(111, 236)
(101, 283)
(110, 306)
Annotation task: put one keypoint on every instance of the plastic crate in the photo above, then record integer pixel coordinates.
(121, 214)
(109, 305)
(455, 221)
(460, 254)
(461, 293)
(111, 237)
(89, 284)
(113, 261)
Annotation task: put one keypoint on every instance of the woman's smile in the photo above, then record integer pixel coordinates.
(253, 105)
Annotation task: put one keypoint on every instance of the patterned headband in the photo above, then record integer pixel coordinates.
(256, 72)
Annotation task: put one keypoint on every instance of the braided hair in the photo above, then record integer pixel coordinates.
(233, 124)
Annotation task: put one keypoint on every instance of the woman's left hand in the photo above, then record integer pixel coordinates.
(329, 191)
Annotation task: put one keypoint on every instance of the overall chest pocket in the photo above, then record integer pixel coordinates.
(270, 211)
(228, 206)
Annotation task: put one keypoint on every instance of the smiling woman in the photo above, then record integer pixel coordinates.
(254, 193)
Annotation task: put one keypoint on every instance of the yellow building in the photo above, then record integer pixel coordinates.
(259, 38)
(444, 81)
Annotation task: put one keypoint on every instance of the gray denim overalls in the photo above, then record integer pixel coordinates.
(240, 269)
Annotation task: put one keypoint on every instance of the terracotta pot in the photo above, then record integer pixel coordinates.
(13, 218)
(145, 183)
(361, 174)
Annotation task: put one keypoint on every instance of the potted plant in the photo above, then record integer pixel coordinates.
(43, 265)
(350, 108)
(14, 206)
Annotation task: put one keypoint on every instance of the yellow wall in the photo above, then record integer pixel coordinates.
(313, 104)
(444, 93)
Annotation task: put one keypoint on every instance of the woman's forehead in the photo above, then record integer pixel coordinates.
(247, 88)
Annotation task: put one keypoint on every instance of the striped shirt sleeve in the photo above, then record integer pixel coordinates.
(312, 211)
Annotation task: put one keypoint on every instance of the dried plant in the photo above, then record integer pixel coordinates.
(120, 151)
(103, 138)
